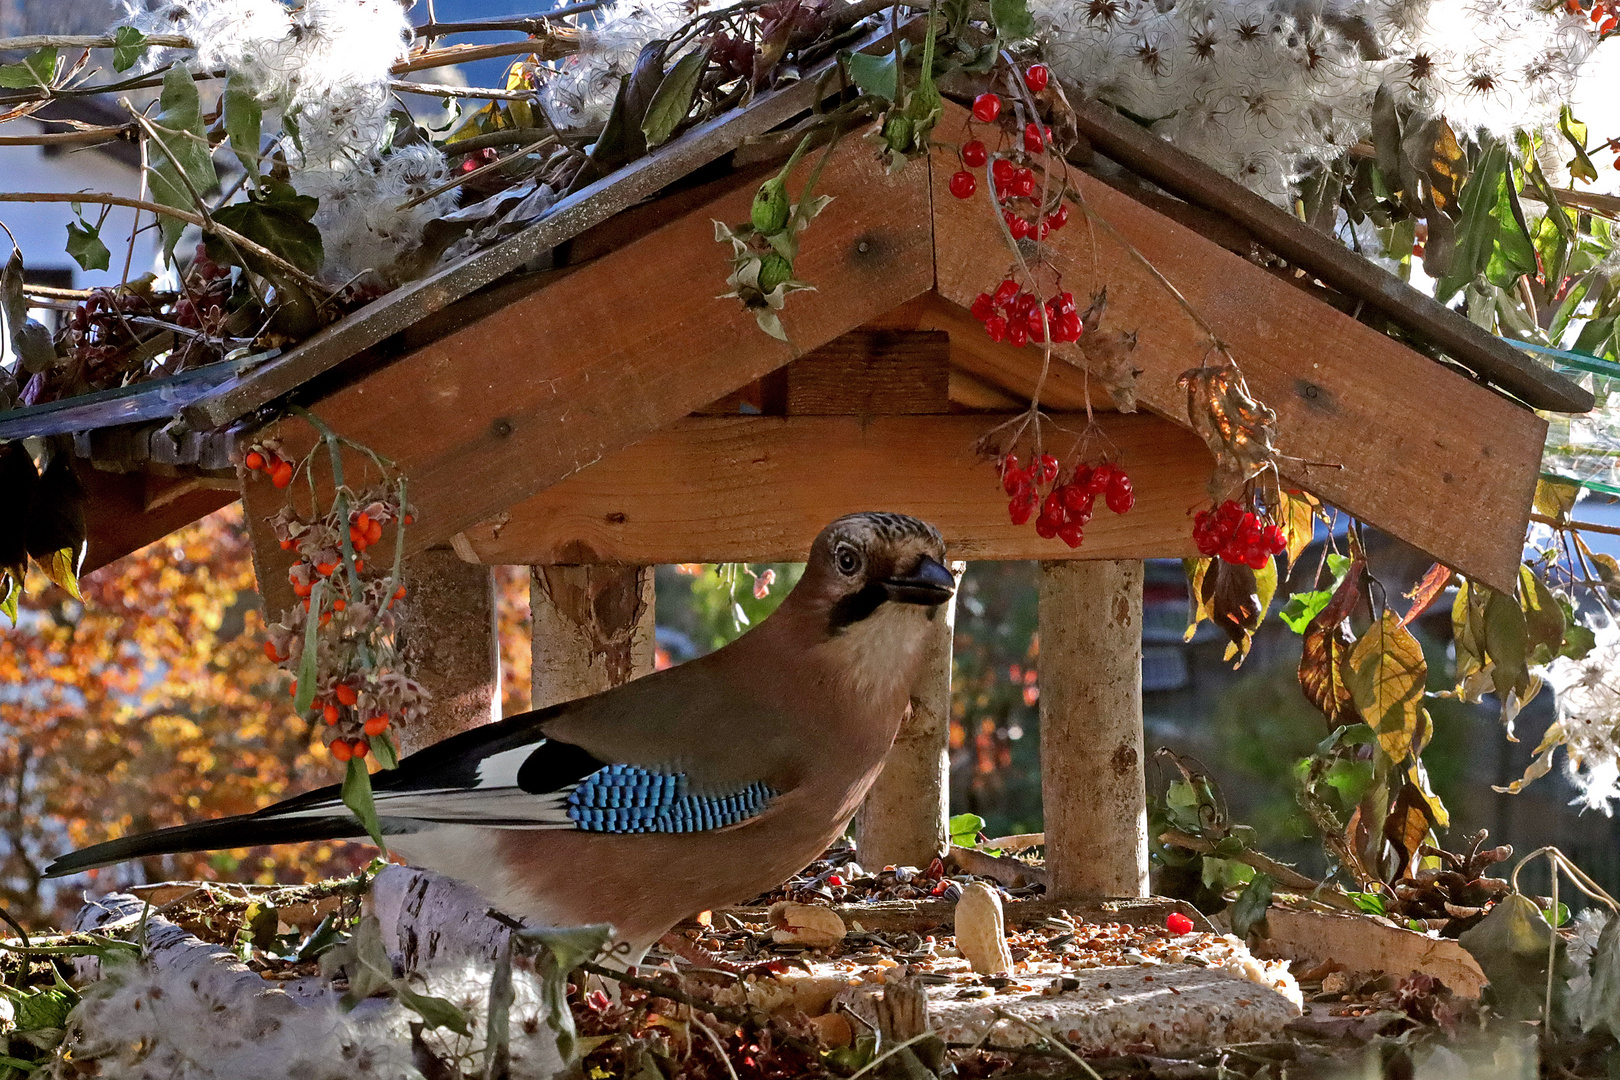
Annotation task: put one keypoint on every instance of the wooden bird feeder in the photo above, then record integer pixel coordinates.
(609, 413)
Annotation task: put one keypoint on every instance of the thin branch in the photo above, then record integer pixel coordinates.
(1285, 876)
(526, 24)
(31, 42)
(509, 137)
(481, 92)
(455, 182)
(1576, 526)
(556, 45)
(92, 136)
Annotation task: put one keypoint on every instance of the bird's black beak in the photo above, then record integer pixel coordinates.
(928, 582)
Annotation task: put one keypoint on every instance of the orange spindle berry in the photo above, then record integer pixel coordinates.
(359, 566)
(339, 604)
(376, 725)
(329, 713)
(325, 569)
(283, 474)
(326, 617)
(399, 593)
(360, 747)
(342, 750)
(346, 694)
(287, 544)
(292, 691)
(271, 654)
(303, 588)
(254, 460)
(373, 532)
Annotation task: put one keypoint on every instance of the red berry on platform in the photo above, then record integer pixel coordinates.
(835, 881)
(1177, 923)
(963, 185)
(984, 306)
(1097, 482)
(1023, 182)
(1121, 495)
(986, 107)
(1005, 292)
(1017, 226)
(974, 155)
(1035, 78)
(996, 327)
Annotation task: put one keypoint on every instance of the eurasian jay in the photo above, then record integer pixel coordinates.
(694, 787)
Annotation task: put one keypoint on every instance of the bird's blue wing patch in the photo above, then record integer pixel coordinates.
(628, 799)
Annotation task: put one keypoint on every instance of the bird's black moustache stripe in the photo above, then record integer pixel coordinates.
(856, 606)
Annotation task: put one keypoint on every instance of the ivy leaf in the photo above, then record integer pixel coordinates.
(180, 132)
(965, 829)
(128, 44)
(85, 246)
(1012, 20)
(874, 75)
(673, 99)
(244, 119)
(32, 71)
(1386, 673)
(1249, 909)
(357, 797)
(277, 218)
(1302, 607)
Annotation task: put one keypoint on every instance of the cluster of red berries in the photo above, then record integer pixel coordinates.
(1011, 181)
(1237, 535)
(1605, 18)
(1010, 314)
(264, 459)
(1068, 506)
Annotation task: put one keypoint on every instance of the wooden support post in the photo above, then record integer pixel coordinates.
(1092, 783)
(902, 821)
(593, 629)
(450, 632)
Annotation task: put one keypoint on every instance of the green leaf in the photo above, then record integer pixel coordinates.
(965, 829)
(34, 70)
(128, 44)
(563, 951)
(1302, 607)
(277, 219)
(383, 747)
(1371, 903)
(307, 670)
(1580, 166)
(875, 75)
(1012, 20)
(436, 1012)
(1507, 645)
(1512, 944)
(1513, 253)
(1351, 779)
(357, 797)
(1543, 617)
(672, 101)
(85, 246)
(183, 152)
(1386, 674)
(1601, 1005)
(1249, 909)
(244, 119)
(1478, 228)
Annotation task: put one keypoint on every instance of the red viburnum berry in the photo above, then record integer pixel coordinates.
(984, 306)
(1023, 183)
(1072, 532)
(1059, 217)
(963, 185)
(1005, 292)
(996, 327)
(1034, 143)
(1018, 333)
(1049, 468)
(974, 154)
(1097, 482)
(1121, 494)
(254, 460)
(1021, 507)
(1035, 78)
(986, 107)
(1047, 527)
(1177, 923)
(1002, 172)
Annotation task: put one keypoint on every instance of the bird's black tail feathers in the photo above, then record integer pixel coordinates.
(272, 825)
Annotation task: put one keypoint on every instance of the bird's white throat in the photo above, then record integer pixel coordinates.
(878, 655)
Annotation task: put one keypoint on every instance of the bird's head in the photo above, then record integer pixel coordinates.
(877, 566)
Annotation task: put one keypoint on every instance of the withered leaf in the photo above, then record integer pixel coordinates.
(1407, 826)
(1232, 595)
(1446, 166)
(1327, 643)
(1427, 592)
(1108, 358)
(1239, 431)
(1386, 673)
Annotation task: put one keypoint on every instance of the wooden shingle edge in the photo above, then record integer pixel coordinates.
(1185, 176)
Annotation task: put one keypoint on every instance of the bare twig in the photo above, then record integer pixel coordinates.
(31, 42)
(455, 182)
(1285, 876)
(437, 90)
(525, 24)
(554, 46)
(92, 136)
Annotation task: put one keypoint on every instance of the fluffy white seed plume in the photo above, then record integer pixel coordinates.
(325, 67)
(582, 91)
(1588, 704)
(1263, 90)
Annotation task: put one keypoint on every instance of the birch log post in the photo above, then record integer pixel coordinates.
(450, 632)
(593, 629)
(1093, 792)
(903, 820)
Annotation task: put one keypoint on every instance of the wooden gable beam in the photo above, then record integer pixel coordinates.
(1410, 446)
(759, 489)
(618, 348)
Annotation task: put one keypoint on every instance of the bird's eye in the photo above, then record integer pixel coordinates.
(849, 560)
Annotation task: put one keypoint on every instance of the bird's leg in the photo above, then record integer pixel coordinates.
(694, 953)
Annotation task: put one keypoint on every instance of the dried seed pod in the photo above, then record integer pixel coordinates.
(980, 931)
(805, 924)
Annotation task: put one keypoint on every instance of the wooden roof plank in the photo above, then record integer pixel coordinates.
(571, 216)
(1426, 454)
(493, 412)
(1183, 175)
(780, 480)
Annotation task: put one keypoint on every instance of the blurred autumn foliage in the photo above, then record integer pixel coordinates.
(148, 705)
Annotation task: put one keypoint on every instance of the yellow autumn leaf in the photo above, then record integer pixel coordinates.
(1386, 673)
